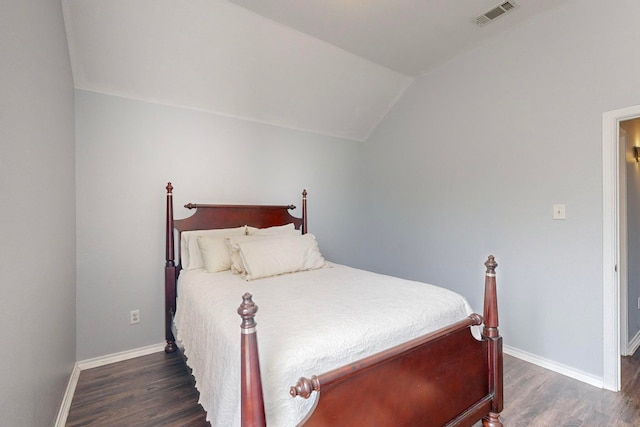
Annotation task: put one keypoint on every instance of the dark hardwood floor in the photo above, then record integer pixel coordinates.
(154, 390)
(157, 390)
(535, 396)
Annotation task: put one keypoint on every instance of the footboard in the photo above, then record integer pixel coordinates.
(445, 378)
(408, 385)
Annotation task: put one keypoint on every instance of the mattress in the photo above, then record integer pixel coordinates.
(308, 323)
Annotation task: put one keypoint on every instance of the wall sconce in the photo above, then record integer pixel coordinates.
(636, 154)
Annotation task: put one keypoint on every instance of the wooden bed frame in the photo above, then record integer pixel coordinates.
(444, 378)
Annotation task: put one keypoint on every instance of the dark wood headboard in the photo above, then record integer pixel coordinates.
(207, 217)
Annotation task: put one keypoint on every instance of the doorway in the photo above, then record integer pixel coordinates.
(614, 243)
(629, 140)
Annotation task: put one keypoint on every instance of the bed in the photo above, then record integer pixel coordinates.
(338, 346)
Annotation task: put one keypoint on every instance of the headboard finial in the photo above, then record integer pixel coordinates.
(169, 188)
(305, 230)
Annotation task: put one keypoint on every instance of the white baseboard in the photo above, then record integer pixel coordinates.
(63, 413)
(555, 367)
(94, 363)
(633, 345)
(119, 357)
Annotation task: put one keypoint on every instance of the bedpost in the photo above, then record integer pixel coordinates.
(494, 344)
(304, 211)
(169, 276)
(252, 403)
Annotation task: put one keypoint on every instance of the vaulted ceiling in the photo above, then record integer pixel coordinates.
(333, 67)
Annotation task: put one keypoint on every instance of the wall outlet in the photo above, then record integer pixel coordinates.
(134, 317)
(559, 212)
(638, 303)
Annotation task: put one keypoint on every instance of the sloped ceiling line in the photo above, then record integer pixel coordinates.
(218, 57)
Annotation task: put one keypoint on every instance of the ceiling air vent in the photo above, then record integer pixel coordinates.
(494, 13)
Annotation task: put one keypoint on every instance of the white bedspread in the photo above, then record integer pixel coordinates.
(308, 323)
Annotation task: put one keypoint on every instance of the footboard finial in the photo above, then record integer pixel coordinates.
(494, 345)
(491, 298)
(304, 387)
(491, 264)
(247, 311)
(252, 404)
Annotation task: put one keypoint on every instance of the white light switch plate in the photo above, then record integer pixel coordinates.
(559, 212)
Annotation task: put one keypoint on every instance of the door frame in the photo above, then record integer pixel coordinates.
(611, 241)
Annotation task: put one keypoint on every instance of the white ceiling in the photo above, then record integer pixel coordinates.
(409, 36)
(333, 67)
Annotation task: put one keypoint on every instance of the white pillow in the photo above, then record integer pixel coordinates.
(190, 255)
(215, 253)
(237, 267)
(279, 255)
(269, 231)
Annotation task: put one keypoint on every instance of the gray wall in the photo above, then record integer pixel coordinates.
(37, 217)
(477, 152)
(127, 151)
